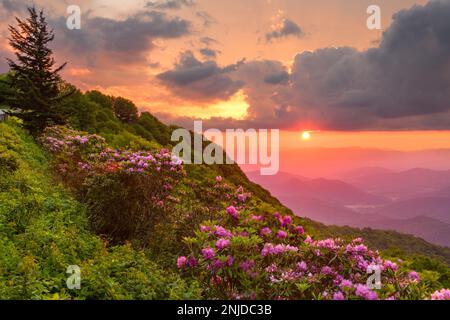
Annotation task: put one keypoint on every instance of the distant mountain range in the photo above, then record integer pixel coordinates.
(415, 201)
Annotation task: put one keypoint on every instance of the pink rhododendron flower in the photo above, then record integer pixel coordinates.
(247, 265)
(285, 221)
(443, 294)
(390, 265)
(230, 261)
(265, 232)
(205, 229)
(363, 291)
(232, 211)
(281, 234)
(222, 244)
(181, 261)
(346, 284)
(191, 262)
(222, 232)
(414, 276)
(308, 240)
(338, 296)
(299, 230)
(302, 266)
(327, 270)
(208, 253)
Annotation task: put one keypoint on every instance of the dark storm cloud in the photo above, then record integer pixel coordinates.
(288, 28)
(402, 84)
(407, 75)
(13, 6)
(198, 80)
(132, 35)
(169, 4)
(277, 77)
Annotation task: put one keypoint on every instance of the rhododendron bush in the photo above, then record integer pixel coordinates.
(261, 255)
(127, 192)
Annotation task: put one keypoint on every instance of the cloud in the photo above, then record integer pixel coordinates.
(284, 29)
(208, 53)
(208, 41)
(401, 84)
(170, 4)
(406, 76)
(201, 81)
(208, 20)
(135, 34)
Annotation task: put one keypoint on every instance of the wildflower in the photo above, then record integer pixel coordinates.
(219, 179)
(308, 240)
(327, 244)
(222, 244)
(346, 284)
(285, 221)
(265, 232)
(299, 230)
(247, 265)
(205, 229)
(232, 211)
(390, 265)
(281, 234)
(222, 232)
(414, 276)
(291, 248)
(268, 249)
(443, 294)
(191, 262)
(327, 270)
(230, 261)
(208, 253)
(338, 296)
(181, 261)
(363, 291)
(360, 248)
(217, 264)
(272, 268)
(279, 248)
(301, 266)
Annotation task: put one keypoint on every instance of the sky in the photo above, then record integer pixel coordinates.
(292, 65)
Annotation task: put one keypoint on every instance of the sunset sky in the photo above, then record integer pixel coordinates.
(290, 64)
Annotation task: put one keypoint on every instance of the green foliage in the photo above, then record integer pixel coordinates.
(125, 273)
(125, 110)
(43, 230)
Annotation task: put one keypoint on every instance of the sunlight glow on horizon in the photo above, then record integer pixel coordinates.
(394, 140)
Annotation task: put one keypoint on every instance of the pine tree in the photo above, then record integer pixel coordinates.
(37, 85)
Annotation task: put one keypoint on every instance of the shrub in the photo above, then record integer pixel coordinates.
(125, 273)
(127, 192)
(251, 254)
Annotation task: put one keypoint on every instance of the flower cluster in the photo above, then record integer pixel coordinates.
(77, 155)
(443, 294)
(267, 256)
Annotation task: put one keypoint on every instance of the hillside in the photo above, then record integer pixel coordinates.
(48, 229)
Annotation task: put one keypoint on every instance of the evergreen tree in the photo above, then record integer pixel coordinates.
(37, 84)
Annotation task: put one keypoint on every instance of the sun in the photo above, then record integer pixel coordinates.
(306, 135)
